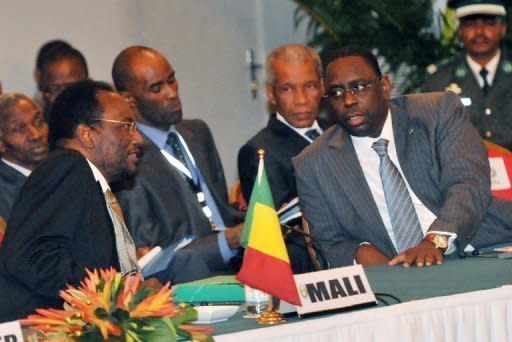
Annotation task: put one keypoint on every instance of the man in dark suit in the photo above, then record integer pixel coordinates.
(23, 145)
(294, 88)
(429, 194)
(61, 223)
(482, 74)
(180, 188)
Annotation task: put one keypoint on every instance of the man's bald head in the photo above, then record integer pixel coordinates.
(123, 71)
(147, 80)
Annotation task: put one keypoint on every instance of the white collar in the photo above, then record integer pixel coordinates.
(301, 131)
(21, 169)
(491, 67)
(99, 176)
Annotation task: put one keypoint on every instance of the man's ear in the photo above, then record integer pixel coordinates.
(84, 135)
(386, 86)
(270, 94)
(131, 101)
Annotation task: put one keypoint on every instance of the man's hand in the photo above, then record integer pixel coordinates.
(368, 255)
(233, 235)
(425, 254)
(141, 251)
(152, 282)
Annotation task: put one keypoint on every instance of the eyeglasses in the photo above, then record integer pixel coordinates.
(129, 125)
(359, 88)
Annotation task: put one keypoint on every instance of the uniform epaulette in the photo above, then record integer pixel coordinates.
(434, 67)
(506, 66)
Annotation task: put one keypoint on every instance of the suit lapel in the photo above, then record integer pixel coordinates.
(343, 161)
(400, 131)
(292, 138)
(156, 159)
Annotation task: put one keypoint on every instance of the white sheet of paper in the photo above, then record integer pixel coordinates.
(499, 177)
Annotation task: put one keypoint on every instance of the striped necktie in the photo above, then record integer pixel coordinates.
(404, 220)
(124, 242)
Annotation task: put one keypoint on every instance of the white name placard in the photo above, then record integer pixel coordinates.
(11, 332)
(499, 175)
(333, 289)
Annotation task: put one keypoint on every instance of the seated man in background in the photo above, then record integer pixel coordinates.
(65, 218)
(398, 181)
(23, 145)
(180, 189)
(294, 88)
(58, 65)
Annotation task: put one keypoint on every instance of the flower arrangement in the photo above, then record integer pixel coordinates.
(108, 306)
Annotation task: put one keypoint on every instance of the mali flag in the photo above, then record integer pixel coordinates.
(266, 265)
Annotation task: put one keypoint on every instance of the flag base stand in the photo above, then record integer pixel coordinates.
(271, 316)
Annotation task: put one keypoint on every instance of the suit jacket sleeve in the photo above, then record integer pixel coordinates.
(37, 249)
(337, 245)
(464, 174)
(280, 177)
(247, 169)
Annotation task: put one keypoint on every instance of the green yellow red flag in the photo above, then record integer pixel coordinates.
(266, 265)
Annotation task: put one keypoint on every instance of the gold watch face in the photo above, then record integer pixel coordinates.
(439, 241)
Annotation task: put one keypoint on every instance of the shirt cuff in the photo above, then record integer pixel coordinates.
(226, 252)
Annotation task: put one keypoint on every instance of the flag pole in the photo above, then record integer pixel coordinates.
(271, 316)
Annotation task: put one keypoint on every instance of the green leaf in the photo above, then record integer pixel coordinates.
(156, 330)
(187, 315)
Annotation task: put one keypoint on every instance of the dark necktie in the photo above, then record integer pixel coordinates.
(312, 134)
(404, 220)
(485, 88)
(177, 151)
(124, 242)
(195, 183)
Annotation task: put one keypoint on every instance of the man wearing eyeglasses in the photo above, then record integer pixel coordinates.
(482, 74)
(65, 219)
(294, 88)
(179, 192)
(397, 181)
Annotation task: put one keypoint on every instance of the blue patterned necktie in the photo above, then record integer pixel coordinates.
(404, 220)
(312, 134)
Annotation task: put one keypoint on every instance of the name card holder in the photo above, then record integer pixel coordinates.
(11, 332)
(333, 289)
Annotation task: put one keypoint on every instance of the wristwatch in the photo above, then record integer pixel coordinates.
(438, 240)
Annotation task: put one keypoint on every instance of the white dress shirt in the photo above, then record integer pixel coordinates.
(491, 67)
(301, 131)
(370, 162)
(21, 169)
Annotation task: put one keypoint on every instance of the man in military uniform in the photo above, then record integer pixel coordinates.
(482, 74)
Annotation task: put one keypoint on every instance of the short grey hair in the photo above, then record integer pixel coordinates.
(291, 53)
(8, 100)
